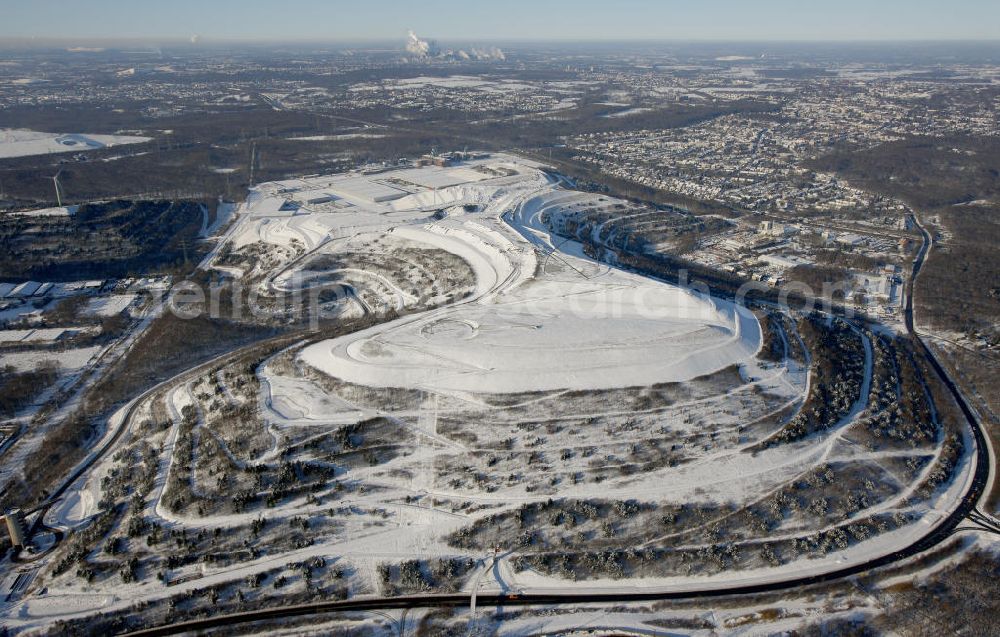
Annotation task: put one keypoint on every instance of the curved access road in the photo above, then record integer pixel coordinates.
(129, 410)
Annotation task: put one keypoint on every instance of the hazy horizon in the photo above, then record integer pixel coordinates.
(520, 20)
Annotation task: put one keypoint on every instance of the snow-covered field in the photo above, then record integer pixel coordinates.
(61, 211)
(23, 143)
(67, 360)
(40, 335)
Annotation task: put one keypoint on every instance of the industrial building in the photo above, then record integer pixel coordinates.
(16, 528)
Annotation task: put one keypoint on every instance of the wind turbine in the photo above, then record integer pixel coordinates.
(253, 151)
(55, 182)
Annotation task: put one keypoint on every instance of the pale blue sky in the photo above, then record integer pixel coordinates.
(504, 19)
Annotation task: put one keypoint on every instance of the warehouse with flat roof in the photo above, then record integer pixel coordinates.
(365, 189)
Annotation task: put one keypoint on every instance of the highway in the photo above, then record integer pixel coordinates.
(985, 460)
(940, 533)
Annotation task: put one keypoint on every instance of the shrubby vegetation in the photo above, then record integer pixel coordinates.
(710, 558)
(169, 346)
(445, 574)
(838, 356)
(573, 523)
(775, 346)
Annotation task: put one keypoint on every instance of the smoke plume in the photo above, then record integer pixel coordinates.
(420, 48)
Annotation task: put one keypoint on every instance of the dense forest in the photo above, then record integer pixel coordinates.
(953, 184)
(20, 389)
(102, 240)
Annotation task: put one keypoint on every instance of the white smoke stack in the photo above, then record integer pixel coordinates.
(418, 47)
(492, 53)
(429, 49)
